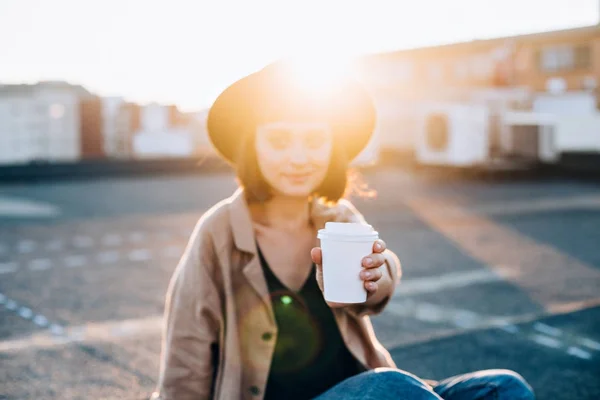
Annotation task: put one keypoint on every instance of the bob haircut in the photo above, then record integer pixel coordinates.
(256, 188)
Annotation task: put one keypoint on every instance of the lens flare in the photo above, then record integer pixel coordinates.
(320, 72)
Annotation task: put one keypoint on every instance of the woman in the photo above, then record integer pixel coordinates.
(245, 315)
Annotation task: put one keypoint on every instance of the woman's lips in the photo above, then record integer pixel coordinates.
(297, 178)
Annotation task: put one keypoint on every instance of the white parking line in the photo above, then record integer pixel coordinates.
(55, 245)
(108, 257)
(8, 267)
(22, 207)
(11, 305)
(467, 320)
(26, 246)
(592, 344)
(164, 235)
(173, 251)
(140, 255)
(546, 341)
(40, 264)
(546, 329)
(75, 261)
(453, 280)
(102, 331)
(57, 329)
(577, 352)
(137, 237)
(521, 260)
(112, 240)
(25, 313)
(40, 320)
(510, 328)
(83, 241)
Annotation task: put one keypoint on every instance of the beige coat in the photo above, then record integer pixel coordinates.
(220, 330)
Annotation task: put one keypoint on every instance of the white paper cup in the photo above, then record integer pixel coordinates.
(343, 246)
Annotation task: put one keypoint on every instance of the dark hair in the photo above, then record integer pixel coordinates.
(256, 188)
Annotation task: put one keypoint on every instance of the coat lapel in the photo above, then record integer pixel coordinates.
(245, 241)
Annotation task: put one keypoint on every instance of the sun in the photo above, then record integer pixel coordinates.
(318, 71)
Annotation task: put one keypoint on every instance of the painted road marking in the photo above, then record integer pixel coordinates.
(83, 241)
(465, 321)
(173, 251)
(546, 341)
(112, 240)
(453, 280)
(577, 352)
(546, 329)
(21, 207)
(58, 335)
(75, 261)
(26, 246)
(592, 344)
(40, 264)
(40, 320)
(27, 313)
(8, 267)
(55, 245)
(140, 255)
(539, 205)
(137, 237)
(108, 257)
(541, 271)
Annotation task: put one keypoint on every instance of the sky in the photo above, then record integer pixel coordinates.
(187, 52)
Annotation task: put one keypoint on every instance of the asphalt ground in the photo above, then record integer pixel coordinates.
(498, 273)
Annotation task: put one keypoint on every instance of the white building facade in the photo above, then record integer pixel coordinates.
(39, 123)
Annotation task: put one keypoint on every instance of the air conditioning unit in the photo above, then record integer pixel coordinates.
(529, 136)
(453, 134)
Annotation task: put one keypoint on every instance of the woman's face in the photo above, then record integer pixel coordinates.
(294, 156)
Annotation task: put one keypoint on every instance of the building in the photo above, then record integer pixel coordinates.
(533, 61)
(501, 74)
(40, 123)
(127, 123)
(92, 130)
(110, 110)
(158, 131)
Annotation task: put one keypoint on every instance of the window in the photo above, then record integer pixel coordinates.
(435, 72)
(561, 58)
(583, 56)
(461, 70)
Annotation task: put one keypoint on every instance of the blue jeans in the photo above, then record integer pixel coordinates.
(395, 384)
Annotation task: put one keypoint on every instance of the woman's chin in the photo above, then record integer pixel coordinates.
(296, 191)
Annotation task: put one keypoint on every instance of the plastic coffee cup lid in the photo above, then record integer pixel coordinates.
(348, 232)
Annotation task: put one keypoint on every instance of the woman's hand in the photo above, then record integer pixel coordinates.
(370, 274)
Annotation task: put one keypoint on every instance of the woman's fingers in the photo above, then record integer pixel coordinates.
(374, 260)
(315, 254)
(379, 246)
(371, 286)
(371, 274)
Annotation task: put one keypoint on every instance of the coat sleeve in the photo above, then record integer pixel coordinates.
(193, 320)
(394, 268)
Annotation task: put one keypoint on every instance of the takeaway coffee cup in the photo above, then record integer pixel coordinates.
(343, 246)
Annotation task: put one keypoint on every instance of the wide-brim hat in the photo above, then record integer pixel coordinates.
(276, 94)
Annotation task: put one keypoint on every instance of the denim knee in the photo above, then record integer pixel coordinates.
(400, 384)
(511, 385)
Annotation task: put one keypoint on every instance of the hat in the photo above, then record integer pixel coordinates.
(275, 94)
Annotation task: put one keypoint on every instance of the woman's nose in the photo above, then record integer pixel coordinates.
(299, 155)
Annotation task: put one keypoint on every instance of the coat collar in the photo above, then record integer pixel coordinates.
(241, 222)
(245, 241)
